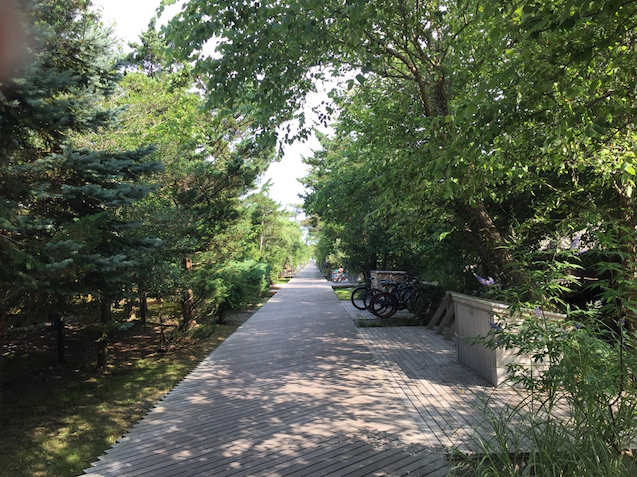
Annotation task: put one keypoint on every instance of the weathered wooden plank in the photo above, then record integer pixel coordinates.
(464, 398)
(245, 457)
(451, 334)
(281, 464)
(446, 321)
(339, 457)
(420, 465)
(427, 413)
(379, 462)
(274, 395)
(299, 391)
(367, 464)
(453, 401)
(150, 457)
(442, 308)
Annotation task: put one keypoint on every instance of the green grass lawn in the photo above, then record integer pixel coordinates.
(343, 293)
(57, 419)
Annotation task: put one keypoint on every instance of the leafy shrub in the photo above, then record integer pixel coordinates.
(431, 295)
(590, 379)
(244, 283)
(230, 286)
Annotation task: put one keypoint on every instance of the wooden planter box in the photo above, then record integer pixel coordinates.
(394, 275)
(473, 318)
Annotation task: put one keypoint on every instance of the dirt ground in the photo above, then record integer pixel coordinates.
(30, 355)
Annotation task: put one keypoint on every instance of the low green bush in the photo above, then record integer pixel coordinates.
(231, 286)
(578, 416)
(431, 295)
(244, 283)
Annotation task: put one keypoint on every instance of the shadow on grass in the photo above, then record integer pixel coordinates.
(59, 418)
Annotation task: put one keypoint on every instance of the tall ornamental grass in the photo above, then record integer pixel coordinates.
(578, 412)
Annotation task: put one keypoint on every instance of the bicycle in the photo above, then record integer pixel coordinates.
(361, 295)
(338, 275)
(396, 297)
(358, 294)
(383, 307)
(409, 295)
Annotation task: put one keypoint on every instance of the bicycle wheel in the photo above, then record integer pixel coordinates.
(384, 305)
(358, 294)
(368, 297)
(404, 295)
(417, 304)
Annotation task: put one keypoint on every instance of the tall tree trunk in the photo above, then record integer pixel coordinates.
(102, 352)
(105, 309)
(187, 301)
(488, 230)
(495, 243)
(486, 258)
(103, 341)
(373, 262)
(129, 309)
(143, 307)
(61, 340)
(187, 309)
(57, 319)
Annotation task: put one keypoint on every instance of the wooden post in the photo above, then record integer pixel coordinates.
(446, 301)
(447, 320)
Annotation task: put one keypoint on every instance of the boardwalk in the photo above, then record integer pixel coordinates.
(451, 405)
(298, 390)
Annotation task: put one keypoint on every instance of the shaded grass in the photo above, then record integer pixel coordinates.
(343, 293)
(57, 419)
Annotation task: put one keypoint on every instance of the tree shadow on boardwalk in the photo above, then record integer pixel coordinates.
(294, 391)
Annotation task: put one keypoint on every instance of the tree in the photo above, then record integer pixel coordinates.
(289, 45)
(548, 118)
(61, 205)
(151, 55)
(510, 124)
(376, 221)
(276, 238)
(487, 116)
(211, 160)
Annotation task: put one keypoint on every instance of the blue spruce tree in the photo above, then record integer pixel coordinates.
(62, 226)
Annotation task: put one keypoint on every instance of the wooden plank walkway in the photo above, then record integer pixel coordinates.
(445, 398)
(295, 391)
(454, 407)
